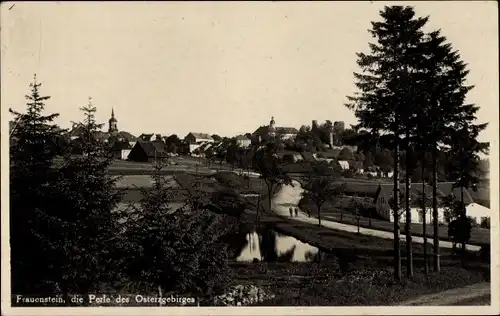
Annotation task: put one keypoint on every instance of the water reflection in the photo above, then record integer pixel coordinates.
(270, 246)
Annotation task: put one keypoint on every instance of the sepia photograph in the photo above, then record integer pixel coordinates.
(242, 158)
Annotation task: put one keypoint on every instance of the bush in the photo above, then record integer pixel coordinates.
(347, 174)
(229, 179)
(242, 295)
(485, 223)
(485, 253)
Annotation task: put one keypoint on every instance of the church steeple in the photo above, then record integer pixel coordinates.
(113, 128)
(271, 123)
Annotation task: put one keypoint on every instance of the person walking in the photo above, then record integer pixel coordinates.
(291, 212)
(296, 212)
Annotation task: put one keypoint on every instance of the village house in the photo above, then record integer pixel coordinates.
(120, 149)
(243, 141)
(344, 164)
(195, 140)
(148, 151)
(201, 149)
(271, 130)
(385, 193)
(198, 138)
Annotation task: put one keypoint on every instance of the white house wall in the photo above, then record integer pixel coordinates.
(287, 136)
(473, 210)
(125, 153)
(203, 140)
(193, 147)
(416, 218)
(244, 143)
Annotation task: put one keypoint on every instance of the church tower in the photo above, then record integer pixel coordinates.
(272, 129)
(113, 129)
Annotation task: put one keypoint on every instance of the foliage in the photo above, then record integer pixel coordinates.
(32, 149)
(412, 93)
(228, 202)
(216, 137)
(86, 197)
(364, 286)
(242, 295)
(345, 154)
(465, 162)
(175, 250)
(459, 230)
(348, 173)
(453, 208)
(321, 189)
(272, 172)
(485, 223)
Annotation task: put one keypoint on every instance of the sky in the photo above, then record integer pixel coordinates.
(218, 67)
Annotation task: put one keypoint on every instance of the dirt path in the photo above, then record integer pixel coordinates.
(475, 294)
(289, 196)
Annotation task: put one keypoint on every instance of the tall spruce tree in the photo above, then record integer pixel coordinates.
(385, 99)
(87, 198)
(443, 87)
(33, 147)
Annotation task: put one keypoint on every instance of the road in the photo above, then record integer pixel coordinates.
(289, 196)
(475, 294)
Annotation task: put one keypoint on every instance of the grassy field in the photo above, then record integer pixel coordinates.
(142, 181)
(325, 284)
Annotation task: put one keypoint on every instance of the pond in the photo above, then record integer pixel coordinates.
(269, 245)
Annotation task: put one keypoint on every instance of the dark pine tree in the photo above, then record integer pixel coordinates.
(33, 147)
(87, 198)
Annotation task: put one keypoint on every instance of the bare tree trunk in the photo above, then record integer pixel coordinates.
(269, 195)
(409, 253)
(258, 210)
(435, 223)
(424, 218)
(318, 206)
(464, 215)
(397, 250)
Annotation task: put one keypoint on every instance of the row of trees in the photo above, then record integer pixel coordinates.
(412, 97)
(68, 235)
